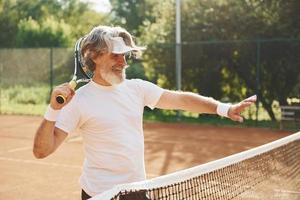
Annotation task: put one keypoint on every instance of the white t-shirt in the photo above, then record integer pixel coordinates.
(110, 120)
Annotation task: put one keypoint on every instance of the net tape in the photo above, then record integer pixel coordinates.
(270, 171)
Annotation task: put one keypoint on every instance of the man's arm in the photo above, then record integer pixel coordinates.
(48, 137)
(199, 104)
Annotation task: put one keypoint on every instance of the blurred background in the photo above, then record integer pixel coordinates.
(229, 50)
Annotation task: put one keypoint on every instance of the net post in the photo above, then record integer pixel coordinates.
(1, 71)
(51, 71)
(178, 50)
(258, 46)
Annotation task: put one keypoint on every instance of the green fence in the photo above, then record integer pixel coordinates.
(226, 70)
(28, 75)
(233, 70)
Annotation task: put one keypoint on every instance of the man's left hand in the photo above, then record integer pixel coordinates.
(234, 113)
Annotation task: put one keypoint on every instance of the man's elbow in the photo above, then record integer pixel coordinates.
(39, 154)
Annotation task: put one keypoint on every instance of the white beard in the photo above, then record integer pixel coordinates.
(112, 78)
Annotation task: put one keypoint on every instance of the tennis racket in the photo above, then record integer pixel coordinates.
(81, 72)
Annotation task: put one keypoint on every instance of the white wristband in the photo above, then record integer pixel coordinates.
(51, 114)
(222, 109)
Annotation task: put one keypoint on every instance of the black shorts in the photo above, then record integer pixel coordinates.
(131, 196)
(84, 195)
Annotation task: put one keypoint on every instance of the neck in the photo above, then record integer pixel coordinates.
(99, 80)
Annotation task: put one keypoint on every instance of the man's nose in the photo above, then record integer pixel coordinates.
(122, 60)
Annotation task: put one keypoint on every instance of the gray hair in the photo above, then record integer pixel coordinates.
(98, 42)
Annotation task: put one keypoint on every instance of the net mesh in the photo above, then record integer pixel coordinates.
(271, 171)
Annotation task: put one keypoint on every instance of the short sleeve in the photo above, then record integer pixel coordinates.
(69, 116)
(150, 92)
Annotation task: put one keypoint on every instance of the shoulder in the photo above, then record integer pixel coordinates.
(83, 88)
(81, 92)
(134, 81)
(145, 87)
(78, 100)
(138, 82)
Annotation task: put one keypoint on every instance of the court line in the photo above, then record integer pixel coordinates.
(19, 149)
(54, 164)
(40, 163)
(287, 191)
(15, 137)
(74, 139)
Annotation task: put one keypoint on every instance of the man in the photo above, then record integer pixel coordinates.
(108, 112)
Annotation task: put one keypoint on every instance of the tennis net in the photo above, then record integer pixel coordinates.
(270, 171)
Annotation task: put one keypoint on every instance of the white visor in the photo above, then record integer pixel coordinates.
(119, 46)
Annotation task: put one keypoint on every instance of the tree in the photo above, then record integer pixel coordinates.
(8, 23)
(215, 65)
(132, 14)
(48, 32)
(278, 60)
(73, 16)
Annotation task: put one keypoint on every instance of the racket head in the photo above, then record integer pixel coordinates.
(82, 73)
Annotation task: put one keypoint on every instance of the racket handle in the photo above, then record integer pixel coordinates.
(60, 98)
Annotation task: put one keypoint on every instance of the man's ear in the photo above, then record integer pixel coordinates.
(96, 58)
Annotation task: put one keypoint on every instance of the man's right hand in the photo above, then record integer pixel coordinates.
(64, 90)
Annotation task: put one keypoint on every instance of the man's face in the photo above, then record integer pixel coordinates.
(110, 68)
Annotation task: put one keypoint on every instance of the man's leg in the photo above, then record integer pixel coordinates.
(140, 195)
(84, 195)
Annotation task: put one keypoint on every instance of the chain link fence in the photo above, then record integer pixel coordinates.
(225, 70)
(233, 70)
(28, 76)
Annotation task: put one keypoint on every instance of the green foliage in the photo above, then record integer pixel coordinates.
(227, 70)
(25, 95)
(8, 23)
(131, 14)
(40, 23)
(135, 70)
(49, 32)
(81, 17)
(24, 100)
(167, 116)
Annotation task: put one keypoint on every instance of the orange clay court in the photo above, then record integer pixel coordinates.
(168, 148)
